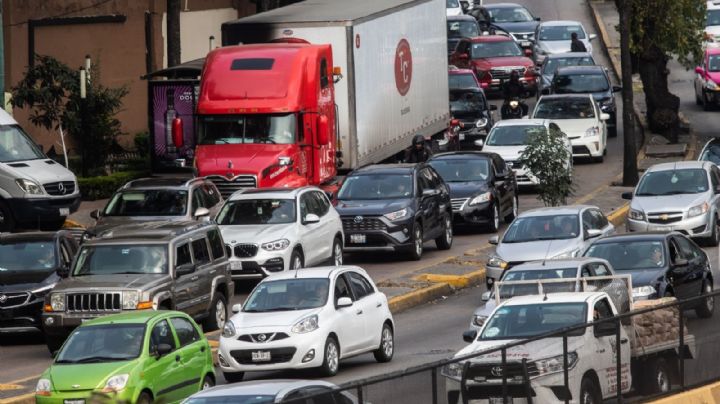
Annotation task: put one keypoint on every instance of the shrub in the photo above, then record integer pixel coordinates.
(546, 156)
(101, 187)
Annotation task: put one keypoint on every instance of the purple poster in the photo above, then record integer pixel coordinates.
(170, 101)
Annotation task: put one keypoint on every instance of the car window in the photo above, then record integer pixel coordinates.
(200, 251)
(161, 334)
(500, 166)
(600, 269)
(314, 394)
(600, 219)
(211, 194)
(361, 287)
(185, 331)
(182, 255)
(425, 180)
(689, 251)
(321, 202)
(436, 179)
(675, 252)
(585, 272)
(342, 289)
(602, 310)
(308, 205)
(589, 220)
(714, 176)
(65, 253)
(216, 244)
(197, 200)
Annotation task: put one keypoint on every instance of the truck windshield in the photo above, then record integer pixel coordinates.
(154, 202)
(238, 129)
(27, 256)
(514, 322)
(257, 211)
(15, 145)
(103, 343)
(495, 49)
(385, 186)
(121, 259)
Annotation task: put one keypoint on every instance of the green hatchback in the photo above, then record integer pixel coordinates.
(136, 357)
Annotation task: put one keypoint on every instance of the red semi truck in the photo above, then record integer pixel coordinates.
(300, 91)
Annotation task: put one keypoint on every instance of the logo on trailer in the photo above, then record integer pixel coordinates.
(403, 67)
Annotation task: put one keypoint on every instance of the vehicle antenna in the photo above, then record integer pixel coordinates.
(546, 253)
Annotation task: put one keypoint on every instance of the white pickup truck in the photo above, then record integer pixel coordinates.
(536, 369)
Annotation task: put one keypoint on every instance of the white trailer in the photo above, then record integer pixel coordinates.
(392, 54)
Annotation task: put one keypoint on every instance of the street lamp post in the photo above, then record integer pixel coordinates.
(83, 115)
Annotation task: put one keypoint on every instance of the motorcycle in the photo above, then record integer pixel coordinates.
(513, 109)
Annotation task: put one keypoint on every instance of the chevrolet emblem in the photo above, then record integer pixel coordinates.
(664, 216)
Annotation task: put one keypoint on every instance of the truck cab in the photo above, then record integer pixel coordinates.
(266, 116)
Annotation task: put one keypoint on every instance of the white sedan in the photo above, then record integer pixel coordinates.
(273, 230)
(580, 117)
(307, 319)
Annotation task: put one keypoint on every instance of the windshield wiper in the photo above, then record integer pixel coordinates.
(284, 308)
(91, 359)
(129, 273)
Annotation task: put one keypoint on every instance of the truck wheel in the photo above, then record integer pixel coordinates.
(415, 252)
(589, 392)
(218, 313)
(658, 377)
(445, 240)
(7, 223)
(707, 306)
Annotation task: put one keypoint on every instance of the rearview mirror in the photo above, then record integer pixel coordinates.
(236, 308)
(177, 132)
(95, 214)
(186, 269)
(494, 240)
(485, 296)
(311, 218)
(591, 37)
(699, 70)
(200, 212)
(593, 233)
(605, 329)
(616, 89)
(469, 335)
(323, 136)
(604, 116)
(627, 195)
(344, 302)
(493, 107)
(163, 349)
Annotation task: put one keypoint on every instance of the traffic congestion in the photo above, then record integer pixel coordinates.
(327, 167)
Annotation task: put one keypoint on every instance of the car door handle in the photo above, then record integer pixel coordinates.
(359, 312)
(378, 304)
(624, 341)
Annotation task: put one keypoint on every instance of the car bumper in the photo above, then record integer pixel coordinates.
(694, 227)
(261, 265)
(475, 214)
(540, 389)
(390, 236)
(34, 210)
(530, 85)
(234, 355)
(23, 318)
(586, 146)
(59, 397)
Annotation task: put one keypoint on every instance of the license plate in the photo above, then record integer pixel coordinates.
(499, 400)
(65, 212)
(78, 401)
(525, 43)
(236, 266)
(660, 228)
(462, 136)
(358, 239)
(261, 356)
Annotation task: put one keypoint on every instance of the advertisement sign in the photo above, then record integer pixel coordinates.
(169, 101)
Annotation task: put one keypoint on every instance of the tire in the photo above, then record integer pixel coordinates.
(53, 344)
(513, 214)
(445, 240)
(207, 383)
(707, 307)
(415, 252)
(385, 351)
(7, 222)
(714, 238)
(658, 377)
(698, 101)
(233, 377)
(296, 260)
(218, 313)
(144, 398)
(331, 358)
(598, 159)
(589, 392)
(494, 223)
(336, 255)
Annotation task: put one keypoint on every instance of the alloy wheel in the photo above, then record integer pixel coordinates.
(418, 241)
(338, 254)
(331, 356)
(220, 313)
(496, 217)
(662, 380)
(296, 264)
(387, 342)
(515, 206)
(710, 300)
(448, 230)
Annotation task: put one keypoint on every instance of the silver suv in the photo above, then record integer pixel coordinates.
(681, 196)
(152, 199)
(154, 265)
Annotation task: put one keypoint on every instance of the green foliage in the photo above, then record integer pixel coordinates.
(142, 143)
(546, 156)
(101, 187)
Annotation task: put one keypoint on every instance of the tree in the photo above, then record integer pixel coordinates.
(546, 157)
(630, 173)
(661, 29)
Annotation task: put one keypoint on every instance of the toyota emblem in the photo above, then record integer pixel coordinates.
(496, 371)
(358, 219)
(261, 337)
(3, 298)
(61, 188)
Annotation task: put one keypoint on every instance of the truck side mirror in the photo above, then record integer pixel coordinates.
(627, 195)
(469, 336)
(323, 136)
(177, 132)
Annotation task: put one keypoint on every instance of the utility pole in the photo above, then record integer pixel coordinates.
(630, 173)
(173, 32)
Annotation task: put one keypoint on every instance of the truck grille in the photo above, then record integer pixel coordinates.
(8, 300)
(94, 302)
(503, 73)
(60, 188)
(245, 250)
(458, 203)
(228, 186)
(496, 370)
(360, 223)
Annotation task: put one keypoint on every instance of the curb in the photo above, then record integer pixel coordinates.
(701, 395)
(28, 398)
(456, 281)
(71, 224)
(418, 297)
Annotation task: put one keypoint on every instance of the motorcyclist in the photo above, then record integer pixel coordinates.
(513, 89)
(419, 152)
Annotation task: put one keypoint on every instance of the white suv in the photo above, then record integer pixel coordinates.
(274, 230)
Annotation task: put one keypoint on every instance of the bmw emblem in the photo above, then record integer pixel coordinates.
(358, 219)
(3, 298)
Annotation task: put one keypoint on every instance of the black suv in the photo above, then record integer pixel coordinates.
(588, 80)
(391, 207)
(30, 266)
(470, 107)
(483, 189)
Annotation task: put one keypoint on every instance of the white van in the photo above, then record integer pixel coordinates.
(35, 191)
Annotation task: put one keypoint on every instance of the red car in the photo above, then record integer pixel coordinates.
(459, 79)
(493, 58)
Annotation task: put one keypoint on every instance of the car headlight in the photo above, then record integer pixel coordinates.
(228, 330)
(711, 85)
(636, 214)
(57, 301)
(481, 122)
(452, 371)
(556, 363)
(43, 387)
(276, 245)
(479, 320)
(398, 214)
(594, 131)
(87, 236)
(116, 383)
(698, 210)
(641, 292)
(514, 104)
(308, 324)
(130, 299)
(567, 254)
(42, 291)
(29, 186)
(496, 261)
(482, 198)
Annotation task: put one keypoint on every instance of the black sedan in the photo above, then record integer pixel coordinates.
(482, 187)
(661, 265)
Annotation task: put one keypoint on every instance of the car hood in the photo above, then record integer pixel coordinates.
(248, 321)
(108, 222)
(40, 170)
(668, 203)
(86, 376)
(24, 280)
(121, 281)
(254, 233)
(486, 309)
(371, 207)
(517, 27)
(466, 189)
(501, 61)
(644, 277)
(508, 153)
(544, 348)
(535, 250)
(555, 46)
(575, 127)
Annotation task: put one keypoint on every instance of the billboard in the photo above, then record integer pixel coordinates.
(170, 100)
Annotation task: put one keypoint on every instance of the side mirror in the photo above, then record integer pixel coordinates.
(344, 302)
(627, 195)
(177, 132)
(616, 89)
(485, 296)
(323, 136)
(593, 233)
(545, 91)
(469, 335)
(493, 107)
(430, 192)
(699, 70)
(95, 214)
(592, 37)
(311, 218)
(680, 262)
(201, 212)
(494, 240)
(605, 329)
(236, 308)
(528, 52)
(186, 269)
(465, 5)
(479, 143)
(163, 349)
(454, 122)
(604, 116)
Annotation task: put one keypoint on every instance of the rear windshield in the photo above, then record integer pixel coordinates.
(580, 83)
(462, 81)
(467, 102)
(564, 108)
(560, 33)
(156, 202)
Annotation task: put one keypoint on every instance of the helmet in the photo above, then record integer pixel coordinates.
(418, 139)
(514, 75)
